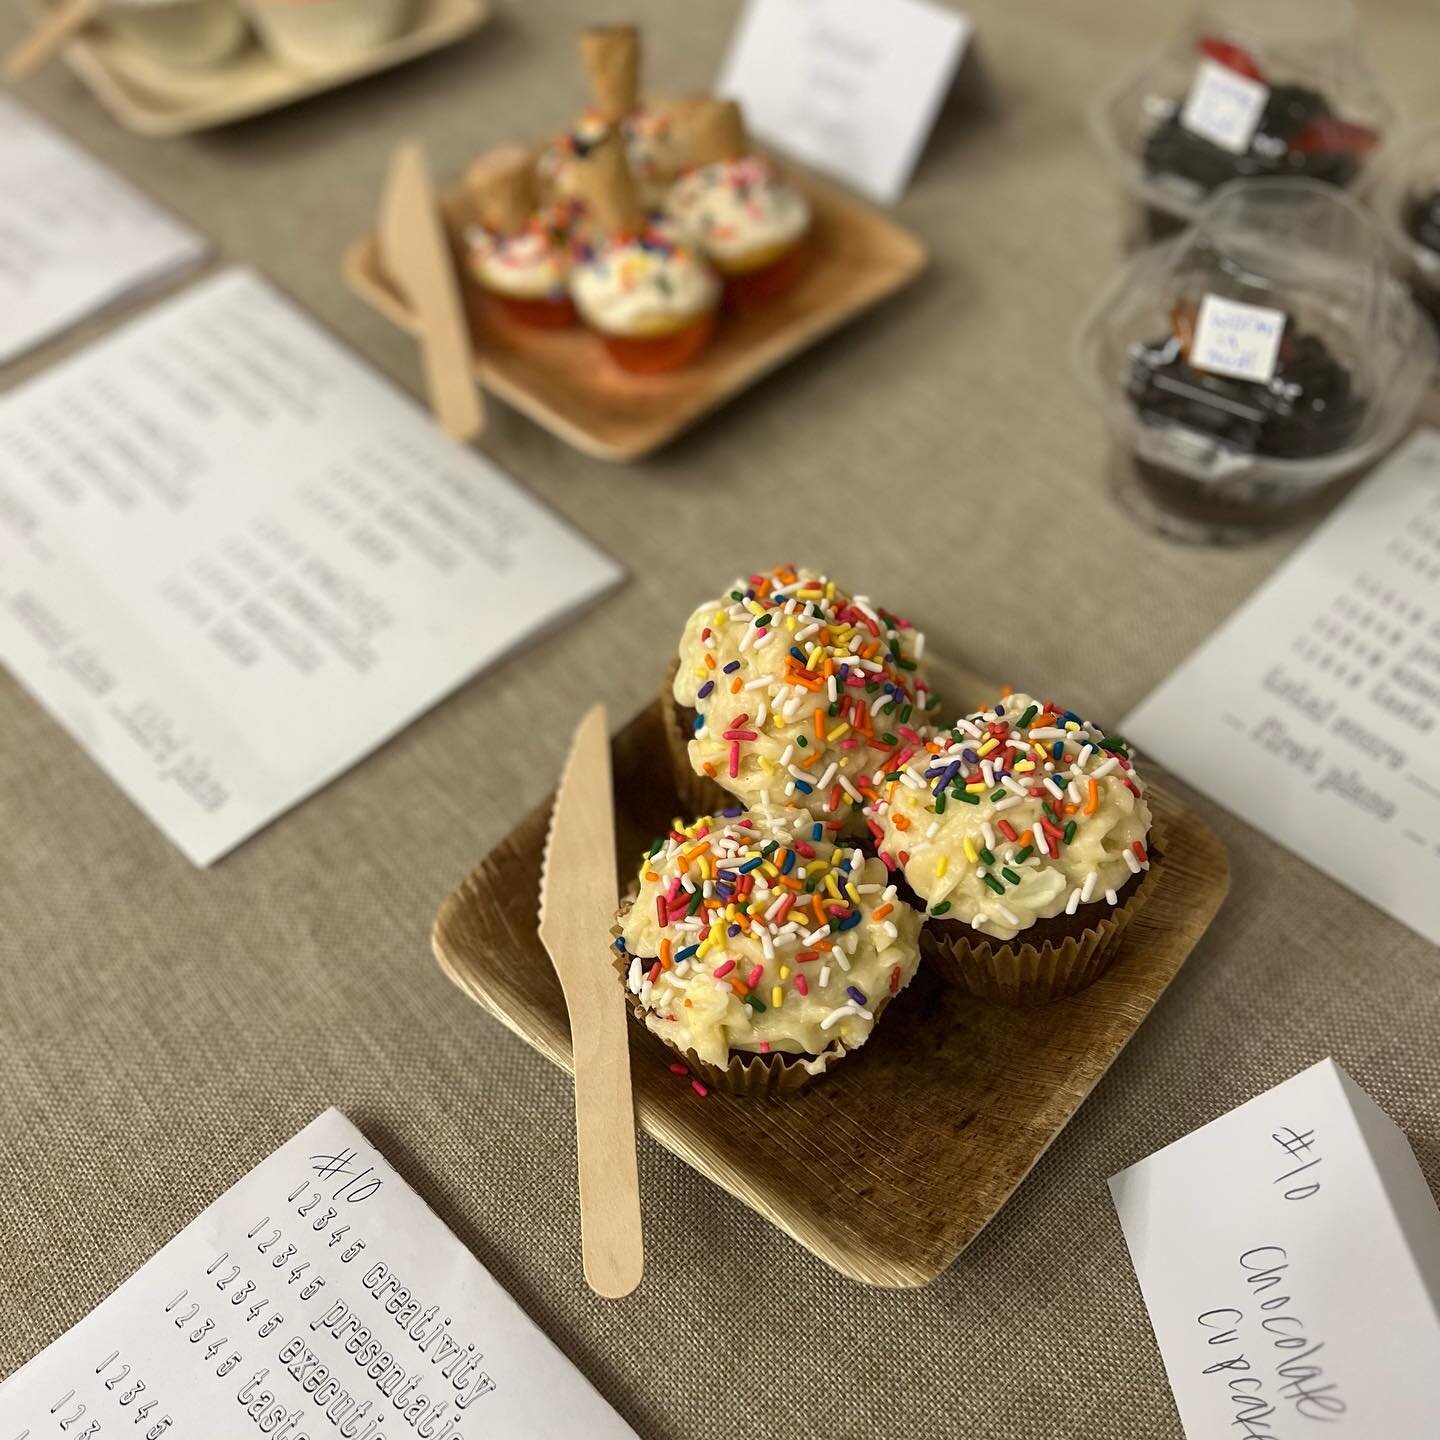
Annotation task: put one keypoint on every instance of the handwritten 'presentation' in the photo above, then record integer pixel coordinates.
(318, 1298)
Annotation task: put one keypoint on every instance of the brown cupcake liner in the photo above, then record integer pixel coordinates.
(750, 1076)
(1015, 973)
(699, 795)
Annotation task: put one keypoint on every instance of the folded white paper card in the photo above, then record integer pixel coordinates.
(233, 559)
(850, 87)
(1314, 711)
(1223, 106)
(74, 236)
(1289, 1256)
(317, 1298)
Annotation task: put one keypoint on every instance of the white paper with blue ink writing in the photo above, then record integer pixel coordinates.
(234, 559)
(1223, 106)
(1314, 711)
(1289, 1257)
(318, 1299)
(75, 237)
(1236, 339)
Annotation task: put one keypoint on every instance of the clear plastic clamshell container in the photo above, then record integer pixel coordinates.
(1249, 89)
(1407, 200)
(1254, 359)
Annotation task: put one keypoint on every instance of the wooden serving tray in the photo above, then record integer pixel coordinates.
(566, 382)
(161, 100)
(891, 1164)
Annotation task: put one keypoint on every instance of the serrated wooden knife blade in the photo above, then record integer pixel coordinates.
(577, 909)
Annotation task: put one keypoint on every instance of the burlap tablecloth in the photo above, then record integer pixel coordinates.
(163, 1028)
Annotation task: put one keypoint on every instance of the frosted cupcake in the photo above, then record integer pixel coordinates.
(516, 254)
(760, 951)
(651, 299)
(1024, 829)
(650, 133)
(787, 690)
(749, 223)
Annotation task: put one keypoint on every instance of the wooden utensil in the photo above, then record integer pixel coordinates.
(416, 255)
(53, 30)
(577, 908)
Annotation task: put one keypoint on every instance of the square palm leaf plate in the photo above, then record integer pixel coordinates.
(889, 1166)
(564, 381)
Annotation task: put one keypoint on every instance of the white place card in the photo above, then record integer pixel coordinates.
(850, 87)
(1223, 106)
(317, 1298)
(75, 237)
(1314, 711)
(1289, 1257)
(233, 559)
(1236, 339)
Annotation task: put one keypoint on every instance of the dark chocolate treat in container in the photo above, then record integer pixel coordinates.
(1254, 361)
(1249, 89)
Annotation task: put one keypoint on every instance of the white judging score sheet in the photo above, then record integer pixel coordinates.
(233, 559)
(1314, 711)
(75, 237)
(317, 1298)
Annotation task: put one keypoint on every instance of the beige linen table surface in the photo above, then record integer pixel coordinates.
(163, 1028)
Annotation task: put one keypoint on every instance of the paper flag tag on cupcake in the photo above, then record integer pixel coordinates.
(1289, 1256)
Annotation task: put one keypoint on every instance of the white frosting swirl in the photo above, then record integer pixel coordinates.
(644, 287)
(529, 265)
(739, 210)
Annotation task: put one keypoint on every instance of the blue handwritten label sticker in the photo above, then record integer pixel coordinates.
(1223, 106)
(1236, 339)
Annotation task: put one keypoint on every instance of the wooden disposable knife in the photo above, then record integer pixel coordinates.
(416, 255)
(577, 909)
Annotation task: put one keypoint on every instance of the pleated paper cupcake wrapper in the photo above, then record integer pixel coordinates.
(1026, 974)
(752, 1077)
(699, 795)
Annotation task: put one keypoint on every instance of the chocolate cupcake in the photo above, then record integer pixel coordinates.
(788, 690)
(1024, 830)
(760, 951)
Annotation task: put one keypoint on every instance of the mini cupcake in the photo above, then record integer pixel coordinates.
(1024, 830)
(519, 256)
(650, 133)
(789, 691)
(748, 223)
(652, 300)
(760, 951)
